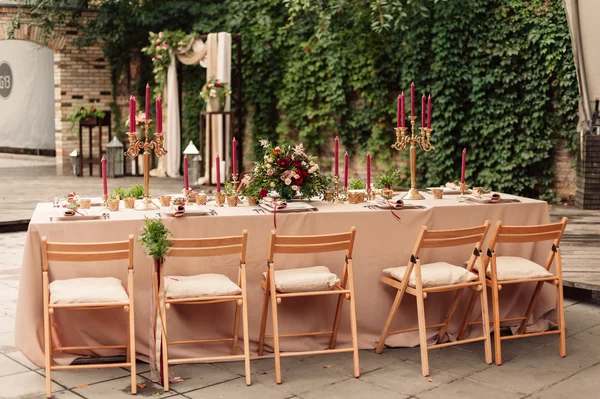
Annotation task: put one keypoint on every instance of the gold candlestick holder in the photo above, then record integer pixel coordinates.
(105, 200)
(463, 188)
(369, 195)
(402, 140)
(234, 181)
(337, 198)
(135, 146)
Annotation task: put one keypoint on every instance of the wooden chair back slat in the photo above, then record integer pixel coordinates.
(514, 238)
(312, 243)
(88, 247)
(206, 242)
(451, 238)
(87, 256)
(319, 239)
(312, 248)
(451, 242)
(469, 231)
(86, 252)
(521, 234)
(542, 228)
(205, 252)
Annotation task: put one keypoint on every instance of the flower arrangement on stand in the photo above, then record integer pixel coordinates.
(287, 171)
(214, 92)
(80, 113)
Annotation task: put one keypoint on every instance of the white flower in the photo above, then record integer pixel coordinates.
(303, 163)
(299, 149)
(269, 166)
(312, 170)
(263, 142)
(256, 169)
(311, 163)
(269, 159)
(296, 176)
(160, 34)
(270, 172)
(295, 188)
(272, 185)
(288, 182)
(213, 93)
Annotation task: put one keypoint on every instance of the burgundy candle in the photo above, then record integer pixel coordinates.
(132, 114)
(104, 182)
(234, 155)
(218, 167)
(158, 115)
(412, 99)
(186, 183)
(429, 112)
(399, 112)
(147, 102)
(423, 111)
(368, 170)
(403, 111)
(464, 164)
(336, 156)
(346, 170)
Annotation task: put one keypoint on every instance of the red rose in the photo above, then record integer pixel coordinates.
(299, 181)
(276, 150)
(218, 85)
(283, 163)
(263, 193)
(298, 164)
(207, 89)
(303, 173)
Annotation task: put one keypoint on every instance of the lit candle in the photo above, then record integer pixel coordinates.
(132, 114)
(464, 164)
(104, 182)
(218, 167)
(412, 99)
(147, 102)
(368, 170)
(346, 171)
(403, 111)
(158, 115)
(234, 156)
(336, 156)
(429, 112)
(423, 111)
(186, 183)
(399, 112)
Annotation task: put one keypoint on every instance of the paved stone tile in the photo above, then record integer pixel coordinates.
(9, 366)
(466, 388)
(7, 324)
(402, 353)
(236, 389)
(56, 395)
(515, 347)
(456, 360)
(73, 378)
(343, 362)
(259, 366)
(406, 378)
(352, 388)
(517, 377)
(121, 389)
(581, 316)
(24, 385)
(7, 342)
(21, 359)
(199, 376)
(581, 385)
(299, 377)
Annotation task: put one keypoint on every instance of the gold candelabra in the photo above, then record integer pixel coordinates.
(402, 140)
(135, 146)
(337, 198)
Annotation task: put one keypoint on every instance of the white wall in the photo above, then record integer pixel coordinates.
(27, 114)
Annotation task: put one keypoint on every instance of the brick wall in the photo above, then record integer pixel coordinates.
(588, 175)
(565, 175)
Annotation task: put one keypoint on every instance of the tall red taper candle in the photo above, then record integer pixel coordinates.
(346, 170)
(186, 182)
(147, 111)
(399, 112)
(423, 117)
(412, 99)
(132, 126)
(218, 167)
(234, 156)
(158, 115)
(429, 112)
(368, 170)
(336, 156)
(464, 165)
(104, 182)
(403, 111)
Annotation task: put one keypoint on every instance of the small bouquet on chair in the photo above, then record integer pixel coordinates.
(178, 206)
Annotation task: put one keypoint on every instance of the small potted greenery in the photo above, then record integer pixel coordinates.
(253, 192)
(214, 92)
(155, 240)
(386, 181)
(356, 191)
(113, 201)
(231, 194)
(88, 115)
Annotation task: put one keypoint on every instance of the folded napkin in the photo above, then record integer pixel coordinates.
(178, 210)
(273, 203)
(392, 204)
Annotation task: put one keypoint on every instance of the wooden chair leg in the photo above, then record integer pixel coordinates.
(128, 352)
(236, 329)
(263, 321)
(353, 327)
(450, 313)
(561, 307)
(388, 322)
(536, 293)
(245, 330)
(274, 312)
(336, 321)
(496, 315)
(47, 337)
(465, 323)
(485, 322)
(164, 350)
(131, 347)
(422, 332)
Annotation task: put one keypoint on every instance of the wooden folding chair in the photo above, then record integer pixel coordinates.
(77, 294)
(409, 279)
(309, 245)
(205, 289)
(504, 270)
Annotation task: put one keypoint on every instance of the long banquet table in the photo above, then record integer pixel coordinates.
(382, 241)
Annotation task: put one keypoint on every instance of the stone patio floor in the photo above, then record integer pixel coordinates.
(532, 368)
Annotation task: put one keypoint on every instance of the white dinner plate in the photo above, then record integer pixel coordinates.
(189, 211)
(87, 214)
(449, 191)
(291, 207)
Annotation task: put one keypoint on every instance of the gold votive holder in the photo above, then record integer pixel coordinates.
(438, 193)
(113, 204)
(165, 200)
(232, 200)
(201, 199)
(356, 197)
(85, 203)
(329, 196)
(192, 195)
(252, 201)
(129, 202)
(219, 198)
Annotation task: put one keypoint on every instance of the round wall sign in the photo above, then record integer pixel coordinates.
(6, 80)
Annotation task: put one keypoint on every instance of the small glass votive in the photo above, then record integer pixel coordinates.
(165, 200)
(438, 193)
(85, 203)
(201, 199)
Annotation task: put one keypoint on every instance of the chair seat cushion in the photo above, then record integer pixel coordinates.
(305, 279)
(87, 290)
(200, 285)
(516, 268)
(434, 274)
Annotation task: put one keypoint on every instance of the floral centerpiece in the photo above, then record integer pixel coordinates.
(80, 113)
(288, 171)
(214, 92)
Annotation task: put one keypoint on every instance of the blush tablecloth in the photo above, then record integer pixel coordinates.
(382, 241)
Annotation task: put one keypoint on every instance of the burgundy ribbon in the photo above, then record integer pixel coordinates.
(275, 214)
(392, 209)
